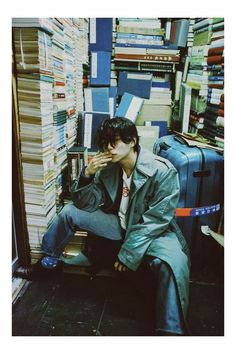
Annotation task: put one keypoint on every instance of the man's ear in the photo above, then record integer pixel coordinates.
(133, 142)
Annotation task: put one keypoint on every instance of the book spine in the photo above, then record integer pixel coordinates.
(170, 58)
(161, 47)
(215, 59)
(216, 85)
(139, 42)
(200, 50)
(141, 30)
(203, 23)
(134, 36)
(215, 51)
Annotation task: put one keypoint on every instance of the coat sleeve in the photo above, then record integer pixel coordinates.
(155, 220)
(87, 196)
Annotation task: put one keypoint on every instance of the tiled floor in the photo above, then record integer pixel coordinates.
(75, 305)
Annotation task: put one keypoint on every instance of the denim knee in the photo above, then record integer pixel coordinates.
(68, 211)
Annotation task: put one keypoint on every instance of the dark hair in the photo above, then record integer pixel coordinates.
(110, 129)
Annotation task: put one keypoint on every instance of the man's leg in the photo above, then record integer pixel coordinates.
(71, 218)
(168, 313)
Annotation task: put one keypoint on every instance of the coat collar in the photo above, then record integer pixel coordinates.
(144, 168)
(145, 162)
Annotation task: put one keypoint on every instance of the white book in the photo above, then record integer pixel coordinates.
(185, 104)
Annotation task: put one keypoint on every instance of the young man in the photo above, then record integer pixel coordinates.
(126, 198)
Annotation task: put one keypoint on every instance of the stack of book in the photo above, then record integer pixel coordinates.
(190, 33)
(33, 56)
(206, 78)
(33, 22)
(71, 123)
(80, 31)
(113, 81)
(59, 103)
(214, 115)
(140, 46)
(76, 245)
(196, 122)
(157, 110)
(197, 75)
(99, 95)
(202, 31)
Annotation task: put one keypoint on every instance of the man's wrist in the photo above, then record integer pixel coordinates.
(86, 173)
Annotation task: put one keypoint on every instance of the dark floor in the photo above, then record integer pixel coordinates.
(75, 305)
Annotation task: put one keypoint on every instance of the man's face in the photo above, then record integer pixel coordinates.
(121, 151)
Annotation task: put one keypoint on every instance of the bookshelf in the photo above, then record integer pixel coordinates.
(77, 158)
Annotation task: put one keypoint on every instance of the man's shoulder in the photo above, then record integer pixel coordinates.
(151, 162)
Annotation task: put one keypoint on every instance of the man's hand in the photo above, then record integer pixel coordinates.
(120, 267)
(98, 162)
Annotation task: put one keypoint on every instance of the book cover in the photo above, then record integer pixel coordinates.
(100, 34)
(112, 100)
(161, 124)
(88, 126)
(179, 32)
(138, 84)
(96, 99)
(154, 113)
(129, 106)
(100, 68)
(185, 104)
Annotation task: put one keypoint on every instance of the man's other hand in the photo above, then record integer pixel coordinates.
(120, 267)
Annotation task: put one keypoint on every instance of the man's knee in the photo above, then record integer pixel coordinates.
(68, 212)
(157, 264)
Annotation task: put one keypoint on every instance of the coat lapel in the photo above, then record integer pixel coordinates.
(111, 179)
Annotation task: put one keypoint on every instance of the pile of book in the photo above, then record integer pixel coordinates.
(206, 76)
(190, 33)
(214, 115)
(76, 245)
(140, 46)
(48, 96)
(33, 22)
(33, 55)
(156, 110)
(59, 103)
(69, 55)
(80, 31)
(113, 81)
(99, 95)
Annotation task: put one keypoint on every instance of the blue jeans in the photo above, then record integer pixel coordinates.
(107, 228)
(71, 219)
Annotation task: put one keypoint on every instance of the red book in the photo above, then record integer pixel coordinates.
(221, 105)
(221, 112)
(215, 59)
(173, 32)
(215, 51)
(218, 86)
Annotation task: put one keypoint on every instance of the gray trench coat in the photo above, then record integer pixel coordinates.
(151, 227)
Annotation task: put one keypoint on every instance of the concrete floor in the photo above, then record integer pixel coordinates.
(75, 305)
